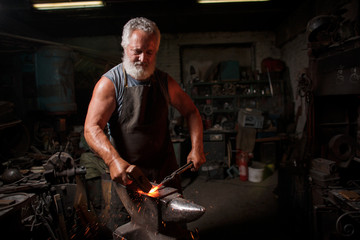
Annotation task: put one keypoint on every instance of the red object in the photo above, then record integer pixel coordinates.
(242, 162)
(273, 65)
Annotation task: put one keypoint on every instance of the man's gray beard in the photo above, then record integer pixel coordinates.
(137, 71)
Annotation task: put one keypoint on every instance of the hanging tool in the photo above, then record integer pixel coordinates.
(271, 87)
(175, 173)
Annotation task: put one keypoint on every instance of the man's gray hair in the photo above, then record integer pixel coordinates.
(140, 23)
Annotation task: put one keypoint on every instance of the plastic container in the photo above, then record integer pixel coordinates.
(256, 172)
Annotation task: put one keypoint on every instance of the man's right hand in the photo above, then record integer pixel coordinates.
(118, 172)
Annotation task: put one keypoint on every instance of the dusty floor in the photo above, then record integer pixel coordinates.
(238, 210)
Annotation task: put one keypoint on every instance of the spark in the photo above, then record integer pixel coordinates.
(87, 231)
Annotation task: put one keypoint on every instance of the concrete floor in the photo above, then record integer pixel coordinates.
(238, 210)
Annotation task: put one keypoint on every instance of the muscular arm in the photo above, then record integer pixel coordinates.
(183, 103)
(102, 105)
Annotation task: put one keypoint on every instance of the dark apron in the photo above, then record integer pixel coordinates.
(141, 134)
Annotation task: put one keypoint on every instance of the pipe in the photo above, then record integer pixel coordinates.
(80, 49)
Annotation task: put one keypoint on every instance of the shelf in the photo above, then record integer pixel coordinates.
(338, 124)
(215, 82)
(214, 97)
(9, 124)
(231, 96)
(209, 131)
(234, 81)
(255, 95)
(271, 139)
(225, 110)
(237, 94)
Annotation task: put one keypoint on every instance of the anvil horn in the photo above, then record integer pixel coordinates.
(181, 210)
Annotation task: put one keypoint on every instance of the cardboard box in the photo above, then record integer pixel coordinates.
(250, 118)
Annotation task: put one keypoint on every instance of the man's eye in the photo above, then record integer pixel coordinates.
(149, 53)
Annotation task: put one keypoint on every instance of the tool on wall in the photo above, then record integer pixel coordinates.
(270, 84)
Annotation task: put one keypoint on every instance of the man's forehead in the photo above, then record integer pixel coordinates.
(143, 40)
(142, 33)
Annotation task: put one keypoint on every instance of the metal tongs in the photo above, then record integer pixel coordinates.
(175, 173)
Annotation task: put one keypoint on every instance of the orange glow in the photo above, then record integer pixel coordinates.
(153, 189)
(153, 192)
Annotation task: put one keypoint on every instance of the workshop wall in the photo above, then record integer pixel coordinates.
(169, 53)
(168, 58)
(294, 53)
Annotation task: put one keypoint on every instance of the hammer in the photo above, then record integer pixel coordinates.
(135, 174)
